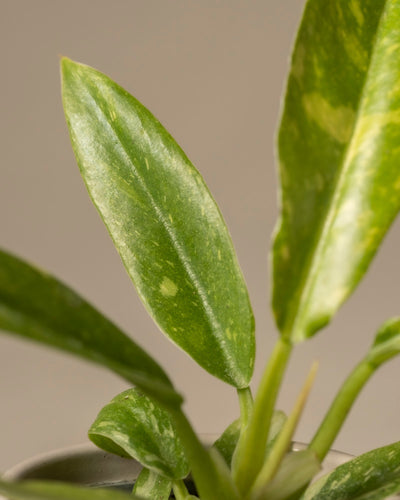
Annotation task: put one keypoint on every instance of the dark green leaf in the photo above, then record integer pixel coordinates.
(149, 485)
(35, 305)
(132, 425)
(384, 492)
(339, 157)
(373, 475)
(164, 223)
(40, 490)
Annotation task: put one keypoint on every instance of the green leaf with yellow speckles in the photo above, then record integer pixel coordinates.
(36, 306)
(132, 425)
(339, 158)
(150, 485)
(371, 476)
(163, 221)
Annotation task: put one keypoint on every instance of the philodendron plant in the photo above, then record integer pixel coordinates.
(339, 157)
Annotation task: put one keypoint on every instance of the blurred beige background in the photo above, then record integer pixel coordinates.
(212, 72)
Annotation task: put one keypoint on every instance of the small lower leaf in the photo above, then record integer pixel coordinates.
(226, 443)
(132, 425)
(150, 485)
(371, 476)
(41, 490)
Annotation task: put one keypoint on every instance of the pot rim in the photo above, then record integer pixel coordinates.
(89, 453)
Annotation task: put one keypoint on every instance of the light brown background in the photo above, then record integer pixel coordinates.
(212, 72)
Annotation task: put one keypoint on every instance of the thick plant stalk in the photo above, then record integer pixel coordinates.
(250, 452)
(283, 440)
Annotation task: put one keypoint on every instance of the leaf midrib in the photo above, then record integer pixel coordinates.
(319, 245)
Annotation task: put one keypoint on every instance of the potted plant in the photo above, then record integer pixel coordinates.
(338, 155)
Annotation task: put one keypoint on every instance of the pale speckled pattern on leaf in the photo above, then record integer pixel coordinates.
(149, 486)
(339, 155)
(371, 476)
(132, 425)
(163, 221)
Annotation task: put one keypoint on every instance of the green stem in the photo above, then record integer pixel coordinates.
(283, 441)
(250, 452)
(180, 490)
(340, 408)
(210, 483)
(246, 406)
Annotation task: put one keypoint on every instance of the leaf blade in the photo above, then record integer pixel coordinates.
(132, 425)
(37, 306)
(338, 176)
(227, 442)
(370, 475)
(164, 223)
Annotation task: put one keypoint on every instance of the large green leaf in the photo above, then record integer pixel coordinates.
(372, 476)
(339, 155)
(164, 223)
(132, 425)
(51, 490)
(35, 305)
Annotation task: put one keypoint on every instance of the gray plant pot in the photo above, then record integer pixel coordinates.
(89, 466)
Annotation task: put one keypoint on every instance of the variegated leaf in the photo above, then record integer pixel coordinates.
(166, 226)
(149, 486)
(339, 158)
(371, 476)
(132, 425)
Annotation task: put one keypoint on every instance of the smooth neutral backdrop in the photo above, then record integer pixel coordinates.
(212, 71)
